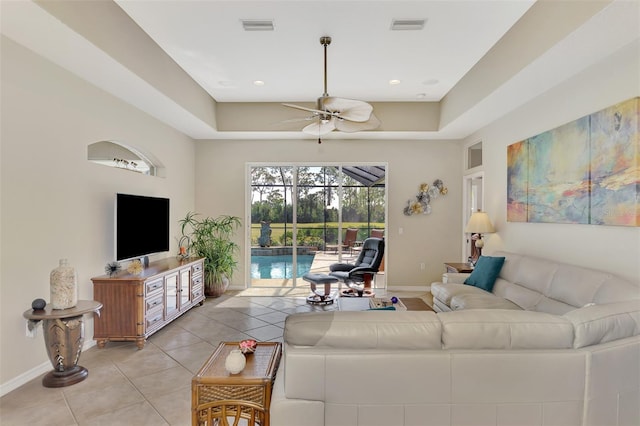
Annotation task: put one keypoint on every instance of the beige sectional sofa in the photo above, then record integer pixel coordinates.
(557, 363)
(534, 284)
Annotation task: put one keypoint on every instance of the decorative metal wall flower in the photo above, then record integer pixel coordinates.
(426, 193)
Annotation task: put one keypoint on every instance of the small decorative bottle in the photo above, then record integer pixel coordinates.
(64, 286)
(235, 362)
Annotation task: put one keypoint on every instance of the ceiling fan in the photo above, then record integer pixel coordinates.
(331, 113)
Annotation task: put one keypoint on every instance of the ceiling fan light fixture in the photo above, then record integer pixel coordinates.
(407, 24)
(331, 113)
(320, 127)
(257, 24)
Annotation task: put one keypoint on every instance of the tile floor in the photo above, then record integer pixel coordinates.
(127, 386)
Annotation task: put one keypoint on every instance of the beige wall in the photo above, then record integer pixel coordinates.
(611, 248)
(431, 239)
(57, 204)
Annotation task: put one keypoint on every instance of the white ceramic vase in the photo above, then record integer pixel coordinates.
(64, 286)
(235, 362)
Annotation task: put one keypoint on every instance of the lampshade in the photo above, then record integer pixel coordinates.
(479, 223)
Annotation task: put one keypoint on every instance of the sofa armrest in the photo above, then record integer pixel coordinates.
(364, 330)
(596, 324)
(453, 277)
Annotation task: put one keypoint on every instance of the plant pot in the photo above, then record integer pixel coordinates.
(216, 289)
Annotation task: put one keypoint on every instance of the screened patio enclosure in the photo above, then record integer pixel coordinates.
(300, 215)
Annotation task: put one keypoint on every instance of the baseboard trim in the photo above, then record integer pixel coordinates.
(33, 373)
(24, 378)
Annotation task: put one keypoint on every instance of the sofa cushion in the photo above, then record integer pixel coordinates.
(445, 292)
(505, 329)
(485, 272)
(603, 323)
(481, 301)
(364, 330)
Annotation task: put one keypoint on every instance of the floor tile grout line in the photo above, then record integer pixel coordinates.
(66, 401)
(145, 398)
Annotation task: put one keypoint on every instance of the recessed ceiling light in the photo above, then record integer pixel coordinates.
(225, 83)
(257, 24)
(407, 24)
(421, 95)
(258, 83)
(394, 82)
(431, 82)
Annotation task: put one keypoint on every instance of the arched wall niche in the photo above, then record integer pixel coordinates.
(121, 156)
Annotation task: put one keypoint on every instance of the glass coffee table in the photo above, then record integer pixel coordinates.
(366, 303)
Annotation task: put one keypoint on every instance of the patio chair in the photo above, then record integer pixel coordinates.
(350, 238)
(377, 233)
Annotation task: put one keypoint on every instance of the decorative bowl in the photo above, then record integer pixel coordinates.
(248, 346)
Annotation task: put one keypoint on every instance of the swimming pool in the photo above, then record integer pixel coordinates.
(279, 266)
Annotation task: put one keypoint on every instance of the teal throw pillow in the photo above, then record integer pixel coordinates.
(485, 273)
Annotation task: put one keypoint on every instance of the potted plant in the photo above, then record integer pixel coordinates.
(211, 239)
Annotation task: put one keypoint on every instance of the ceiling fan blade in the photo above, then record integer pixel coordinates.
(355, 126)
(315, 111)
(298, 120)
(348, 109)
(320, 127)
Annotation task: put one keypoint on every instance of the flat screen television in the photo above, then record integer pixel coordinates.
(142, 226)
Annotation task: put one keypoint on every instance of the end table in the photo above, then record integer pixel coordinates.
(217, 395)
(460, 268)
(63, 337)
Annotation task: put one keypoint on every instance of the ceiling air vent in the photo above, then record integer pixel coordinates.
(257, 24)
(407, 24)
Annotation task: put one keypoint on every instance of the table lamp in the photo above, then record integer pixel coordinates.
(479, 223)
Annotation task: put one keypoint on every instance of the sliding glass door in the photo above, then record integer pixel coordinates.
(301, 216)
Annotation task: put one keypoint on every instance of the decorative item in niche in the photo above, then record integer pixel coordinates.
(426, 193)
(126, 164)
(586, 171)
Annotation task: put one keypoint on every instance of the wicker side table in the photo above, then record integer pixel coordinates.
(218, 396)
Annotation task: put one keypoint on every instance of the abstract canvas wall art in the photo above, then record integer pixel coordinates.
(517, 181)
(586, 171)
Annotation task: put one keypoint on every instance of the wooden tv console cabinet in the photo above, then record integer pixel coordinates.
(136, 306)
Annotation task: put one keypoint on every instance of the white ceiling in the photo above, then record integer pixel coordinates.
(207, 40)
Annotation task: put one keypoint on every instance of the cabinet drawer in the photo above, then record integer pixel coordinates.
(196, 292)
(196, 281)
(153, 286)
(153, 318)
(153, 302)
(197, 268)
